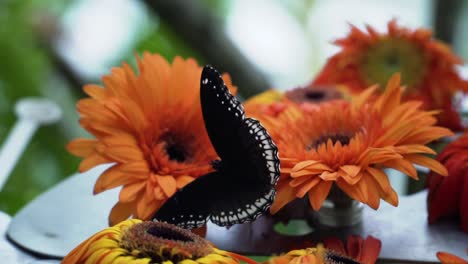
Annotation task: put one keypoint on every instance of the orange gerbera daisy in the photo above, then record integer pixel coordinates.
(428, 67)
(273, 102)
(150, 127)
(448, 196)
(349, 143)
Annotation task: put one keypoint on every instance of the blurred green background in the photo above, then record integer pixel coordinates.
(50, 48)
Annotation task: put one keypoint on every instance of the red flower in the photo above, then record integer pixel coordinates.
(448, 196)
(365, 251)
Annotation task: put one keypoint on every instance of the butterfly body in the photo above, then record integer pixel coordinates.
(241, 187)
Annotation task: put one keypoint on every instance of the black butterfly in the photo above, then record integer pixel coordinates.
(242, 186)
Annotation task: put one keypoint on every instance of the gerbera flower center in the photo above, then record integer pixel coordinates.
(342, 138)
(391, 55)
(162, 242)
(174, 148)
(167, 233)
(314, 94)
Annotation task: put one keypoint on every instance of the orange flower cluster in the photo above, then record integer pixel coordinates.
(428, 67)
(350, 143)
(150, 128)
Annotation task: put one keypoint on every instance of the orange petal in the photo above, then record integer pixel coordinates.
(354, 191)
(146, 207)
(300, 180)
(114, 177)
(92, 161)
(428, 163)
(391, 197)
(120, 139)
(129, 192)
(303, 164)
(414, 148)
(123, 153)
(302, 190)
(82, 147)
(373, 192)
(183, 180)
(350, 173)
(168, 184)
(329, 176)
(95, 91)
(447, 258)
(285, 194)
(120, 212)
(381, 179)
(404, 166)
(319, 194)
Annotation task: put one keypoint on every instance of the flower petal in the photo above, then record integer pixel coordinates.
(428, 163)
(319, 193)
(82, 147)
(168, 184)
(284, 195)
(120, 212)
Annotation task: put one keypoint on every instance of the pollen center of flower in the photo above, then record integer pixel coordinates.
(176, 152)
(163, 242)
(168, 233)
(174, 148)
(342, 138)
(315, 95)
(391, 55)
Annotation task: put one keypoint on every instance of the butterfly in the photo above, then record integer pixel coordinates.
(242, 185)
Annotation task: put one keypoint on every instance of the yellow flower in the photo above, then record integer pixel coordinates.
(428, 67)
(136, 241)
(349, 143)
(151, 128)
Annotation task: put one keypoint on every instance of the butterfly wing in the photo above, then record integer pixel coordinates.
(250, 178)
(222, 113)
(191, 206)
(242, 188)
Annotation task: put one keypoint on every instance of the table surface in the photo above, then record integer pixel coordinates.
(61, 218)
